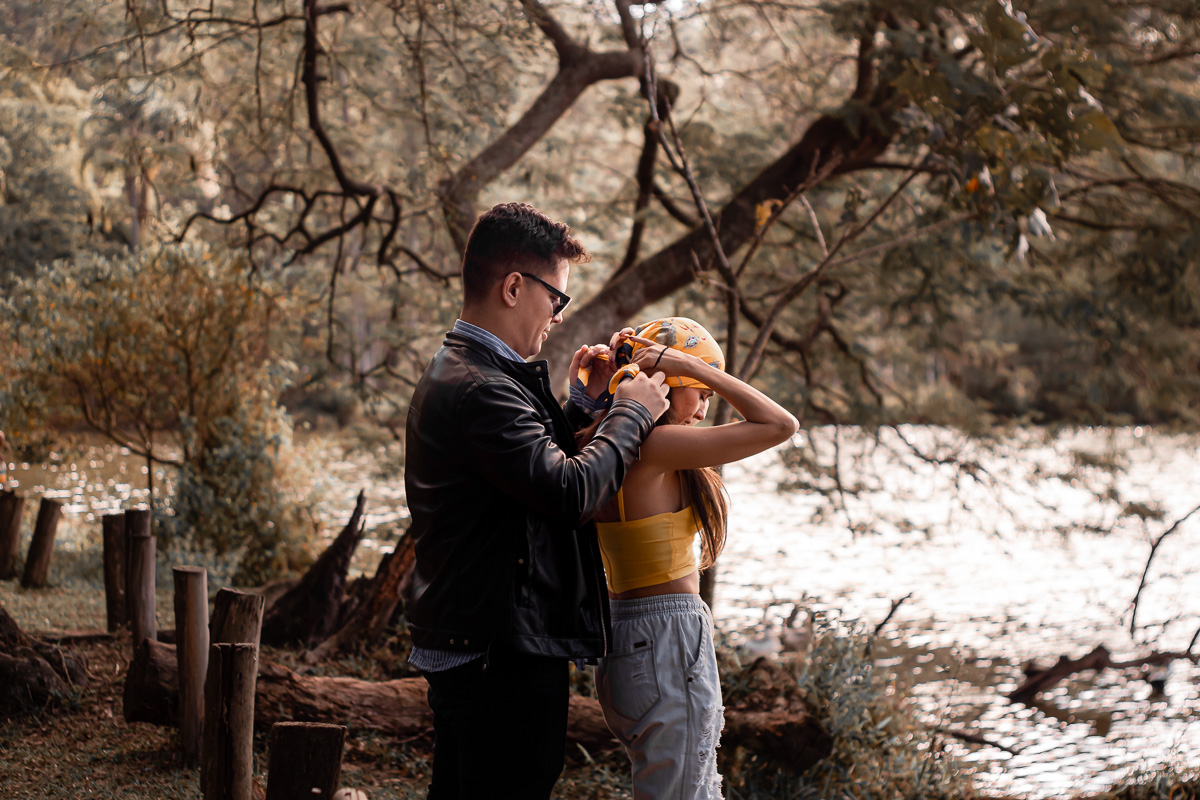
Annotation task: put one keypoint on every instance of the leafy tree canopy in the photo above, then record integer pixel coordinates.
(901, 210)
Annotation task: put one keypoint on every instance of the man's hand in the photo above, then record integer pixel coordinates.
(601, 366)
(651, 392)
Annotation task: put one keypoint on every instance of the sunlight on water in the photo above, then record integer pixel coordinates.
(995, 583)
(1001, 570)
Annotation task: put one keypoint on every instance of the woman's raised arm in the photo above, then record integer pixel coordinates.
(766, 423)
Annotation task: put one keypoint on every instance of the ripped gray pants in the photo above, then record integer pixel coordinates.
(661, 696)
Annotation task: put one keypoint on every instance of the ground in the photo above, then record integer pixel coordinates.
(85, 749)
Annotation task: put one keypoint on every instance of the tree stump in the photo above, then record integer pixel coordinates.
(237, 617)
(116, 559)
(33, 673)
(12, 508)
(227, 767)
(41, 548)
(311, 611)
(306, 760)
(382, 594)
(140, 594)
(191, 636)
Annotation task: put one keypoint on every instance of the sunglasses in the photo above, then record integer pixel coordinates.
(562, 297)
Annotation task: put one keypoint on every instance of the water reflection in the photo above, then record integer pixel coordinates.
(1000, 572)
(999, 575)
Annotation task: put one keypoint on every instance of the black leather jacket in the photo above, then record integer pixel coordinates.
(502, 502)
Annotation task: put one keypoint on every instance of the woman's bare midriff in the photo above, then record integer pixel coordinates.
(688, 584)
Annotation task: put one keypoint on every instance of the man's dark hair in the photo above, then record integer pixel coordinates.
(514, 237)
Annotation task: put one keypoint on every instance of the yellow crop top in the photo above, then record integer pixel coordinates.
(648, 551)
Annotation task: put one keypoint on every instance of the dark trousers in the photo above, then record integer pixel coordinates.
(499, 731)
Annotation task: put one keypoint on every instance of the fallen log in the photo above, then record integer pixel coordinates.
(787, 737)
(1039, 679)
(311, 610)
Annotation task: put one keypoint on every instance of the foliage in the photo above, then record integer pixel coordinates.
(249, 492)
(170, 354)
(879, 751)
(47, 210)
(987, 261)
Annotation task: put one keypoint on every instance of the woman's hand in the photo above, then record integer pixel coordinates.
(654, 357)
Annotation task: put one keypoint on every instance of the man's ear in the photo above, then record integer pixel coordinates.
(509, 289)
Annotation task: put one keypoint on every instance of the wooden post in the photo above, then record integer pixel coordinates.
(137, 523)
(41, 548)
(116, 559)
(306, 760)
(12, 508)
(140, 592)
(227, 765)
(191, 639)
(237, 617)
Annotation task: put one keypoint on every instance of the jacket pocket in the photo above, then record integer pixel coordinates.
(629, 682)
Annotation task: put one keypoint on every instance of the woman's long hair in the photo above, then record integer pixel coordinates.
(703, 489)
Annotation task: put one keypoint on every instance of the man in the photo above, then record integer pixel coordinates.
(509, 584)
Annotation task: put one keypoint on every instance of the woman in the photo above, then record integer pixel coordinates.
(659, 687)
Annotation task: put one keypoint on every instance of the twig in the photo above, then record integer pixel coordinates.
(974, 738)
(891, 612)
(1137, 597)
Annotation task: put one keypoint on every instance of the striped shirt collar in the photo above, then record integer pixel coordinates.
(486, 339)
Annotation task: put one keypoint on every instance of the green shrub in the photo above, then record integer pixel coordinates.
(880, 752)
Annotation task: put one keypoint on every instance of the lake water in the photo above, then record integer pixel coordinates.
(1030, 558)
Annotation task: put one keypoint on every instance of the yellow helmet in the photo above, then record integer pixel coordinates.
(678, 333)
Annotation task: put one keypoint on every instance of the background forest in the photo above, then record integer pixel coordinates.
(222, 218)
(961, 213)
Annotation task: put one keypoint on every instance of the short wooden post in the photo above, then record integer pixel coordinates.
(227, 766)
(237, 617)
(139, 594)
(305, 761)
(191, 652)
(116, 559)
(12, 508)
(41, 548)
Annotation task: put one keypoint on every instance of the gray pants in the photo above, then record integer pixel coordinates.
(662, 698)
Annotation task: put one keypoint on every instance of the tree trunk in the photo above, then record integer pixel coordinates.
(708, 584)
(41, 547)
(227, 769)
(116, 559)
(310, 612)
(827, 141)
(191, 635)
(787, 735)
(12, 508)
(306, 760)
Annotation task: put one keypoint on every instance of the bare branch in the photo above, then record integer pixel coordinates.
(1137, 596)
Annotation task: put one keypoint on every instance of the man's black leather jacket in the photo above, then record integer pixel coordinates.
(502, 502)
